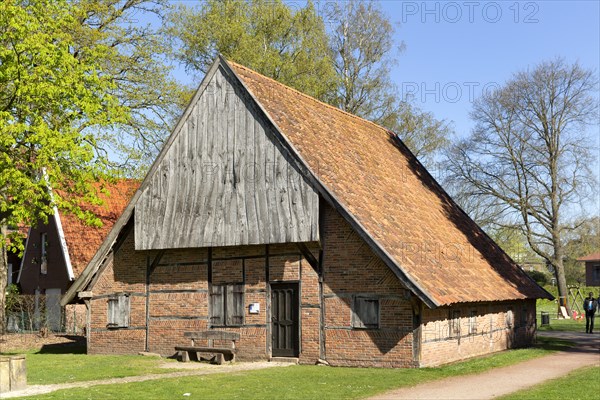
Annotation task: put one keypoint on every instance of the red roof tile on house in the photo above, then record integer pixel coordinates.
(590, 257)
(392, 196)
(83, 240)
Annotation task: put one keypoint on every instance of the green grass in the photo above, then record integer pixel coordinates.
(550, 306)
(75, 366)
(301, 382)
(582, 383)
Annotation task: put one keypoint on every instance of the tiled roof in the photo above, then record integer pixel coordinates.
(590, 257)
(83, 240)
(391, 195)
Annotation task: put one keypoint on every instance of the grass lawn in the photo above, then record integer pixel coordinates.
(556, 324)
(301, 382)
(46, 368)
(583, 383)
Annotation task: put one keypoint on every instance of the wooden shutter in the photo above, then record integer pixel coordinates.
(118, 311)
(113, 305)
(123, 311)
(366, 312)
(217, 309)
(235, 305)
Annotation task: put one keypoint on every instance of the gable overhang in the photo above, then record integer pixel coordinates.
(92, 268)
(294, 156)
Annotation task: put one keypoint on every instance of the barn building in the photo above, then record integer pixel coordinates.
(310, 232)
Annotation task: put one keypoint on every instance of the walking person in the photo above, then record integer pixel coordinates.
(590, 305)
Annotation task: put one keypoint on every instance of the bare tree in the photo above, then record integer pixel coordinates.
(527, 160)
(363, 52)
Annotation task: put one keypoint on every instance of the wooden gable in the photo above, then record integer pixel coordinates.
(225, 180)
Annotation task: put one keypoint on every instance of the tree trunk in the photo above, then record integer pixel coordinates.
(3, 277)
(561, 282)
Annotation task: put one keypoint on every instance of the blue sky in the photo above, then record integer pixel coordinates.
(456, 49)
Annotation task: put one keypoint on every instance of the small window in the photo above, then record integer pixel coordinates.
(454, 323)
(227, 305)
(510, 319)
(365, 313)
(523, 318)
(118, 311)
(596, 275)
(44, 253)
(473, 322)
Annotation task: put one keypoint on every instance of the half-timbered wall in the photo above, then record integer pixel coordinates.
(224, 181)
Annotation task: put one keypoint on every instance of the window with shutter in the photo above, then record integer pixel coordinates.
(473, 322)
(118, 311)
(454, 323)
(365, 313)
(227, 305)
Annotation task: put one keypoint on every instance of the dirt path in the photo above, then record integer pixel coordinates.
(505, 380)
(192, 369)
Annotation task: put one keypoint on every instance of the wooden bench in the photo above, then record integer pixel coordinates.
(214, 354)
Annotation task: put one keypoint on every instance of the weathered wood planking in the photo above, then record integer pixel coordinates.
(225, 181)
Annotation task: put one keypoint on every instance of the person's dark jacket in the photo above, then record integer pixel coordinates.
(586, 303)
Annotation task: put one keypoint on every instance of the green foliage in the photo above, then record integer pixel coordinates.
(363, 53)
(286, 44)
(539, 277)
(138, 65)
(12, 296)
(47, 99)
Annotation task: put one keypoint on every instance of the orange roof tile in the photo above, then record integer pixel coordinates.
(590, 257)
(83, 240)
(398, 203)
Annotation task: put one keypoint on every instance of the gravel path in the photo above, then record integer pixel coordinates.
(192, 369)
(505, 380)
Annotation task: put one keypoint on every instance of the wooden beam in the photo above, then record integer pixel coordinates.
(309, 257)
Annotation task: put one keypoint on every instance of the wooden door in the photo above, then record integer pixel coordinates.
(284, 316)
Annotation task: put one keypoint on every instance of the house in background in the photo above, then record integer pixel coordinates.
(14, 259)
(57, 252)
(592, 269)
(310, 232)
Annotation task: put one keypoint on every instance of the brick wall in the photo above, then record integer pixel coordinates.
(350, 268)
(492, 331)
(177, 295)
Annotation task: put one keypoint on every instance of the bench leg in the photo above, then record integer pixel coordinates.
(219, 359)
(184, 356)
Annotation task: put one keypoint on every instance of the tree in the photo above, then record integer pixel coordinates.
(268, 36)
(362, 46)
(49, 98)
(137, 64)
(527, 159)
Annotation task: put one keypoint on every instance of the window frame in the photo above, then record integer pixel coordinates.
(358, 321)
(44, 253)
(454, 317)
(473, 322)
(509, 318)
(118, 315)
(227, 317)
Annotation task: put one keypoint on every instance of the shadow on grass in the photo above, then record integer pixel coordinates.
(75, 346)
(548, 343)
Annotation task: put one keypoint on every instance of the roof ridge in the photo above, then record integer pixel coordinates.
(240, 66)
